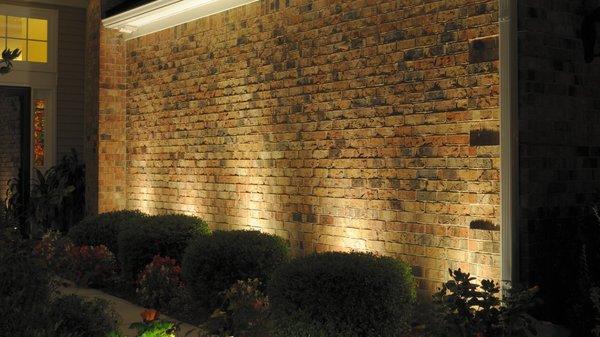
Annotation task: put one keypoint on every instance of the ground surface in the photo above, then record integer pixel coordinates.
(128, 312)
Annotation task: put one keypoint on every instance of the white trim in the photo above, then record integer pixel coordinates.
(163, 14)
(67, 3)
(509, 141)
(40, 77)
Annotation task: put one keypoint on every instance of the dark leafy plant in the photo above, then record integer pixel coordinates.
(24, 288)
(468, 309)
(212, 264)
(52, 250)
(186, 308)
(165, 235)
(74, 316)
(8, 56)
(48, 195)
(342, 295)
(595, 297)
(158, 283)
(72, 170)
(244, 312)
(90, 266)
(57, 197)
(103, 229)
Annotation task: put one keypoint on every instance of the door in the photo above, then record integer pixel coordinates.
(15, 140)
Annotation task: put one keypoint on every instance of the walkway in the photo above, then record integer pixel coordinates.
(128, 312)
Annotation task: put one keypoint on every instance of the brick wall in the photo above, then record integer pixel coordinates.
(111, 132)
(104, 115)
(339, 125)
(559, 114)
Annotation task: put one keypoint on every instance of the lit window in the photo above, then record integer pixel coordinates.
(39, 132)
(30, 35)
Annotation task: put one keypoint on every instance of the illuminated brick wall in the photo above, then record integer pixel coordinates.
(338, 125)
(105, 110)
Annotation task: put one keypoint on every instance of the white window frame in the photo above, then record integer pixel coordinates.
(37, 13)
(40, 77)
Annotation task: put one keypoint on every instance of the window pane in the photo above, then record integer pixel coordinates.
(2, 25)
(17, 27)
(39, 132)
(38, 29)
(37, 51)
(13, 44)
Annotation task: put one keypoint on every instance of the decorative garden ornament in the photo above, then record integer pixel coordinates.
(6, 62)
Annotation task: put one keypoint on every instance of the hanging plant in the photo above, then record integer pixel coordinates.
(6, 62)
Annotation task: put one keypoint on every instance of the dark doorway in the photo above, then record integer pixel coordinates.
(15, 147)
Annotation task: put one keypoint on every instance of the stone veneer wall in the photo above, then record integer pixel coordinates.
(559, 115)
(338, 125)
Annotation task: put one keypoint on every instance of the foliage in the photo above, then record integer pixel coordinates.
(103, 229)
(186, 308)
(77, 317)
(57, 197)
(91, 266)
(48, 195)
(27, 308)
(52, 249)
(214, 263)
(72, 170)
(244, 312)
(24, 288)
(8, 56)
(151, 326)
(342, 295)
(468, 309)
(595, 297)
(6, 219)
(165, 235)
(158, 283)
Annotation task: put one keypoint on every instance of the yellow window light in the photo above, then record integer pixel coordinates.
(38, 30)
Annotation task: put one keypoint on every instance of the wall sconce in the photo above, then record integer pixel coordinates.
(589, 34)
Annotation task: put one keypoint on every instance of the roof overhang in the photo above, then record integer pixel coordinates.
(69, 3)
(162, 14)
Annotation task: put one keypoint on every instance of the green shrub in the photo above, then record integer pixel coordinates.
(158, 283)
(90, 266)
(76, 317)
(243, 313)
(165, 235)
(214, 263)
(342, 295)
(103, 229)
(52, 250)
(465, 308)
(24, 288)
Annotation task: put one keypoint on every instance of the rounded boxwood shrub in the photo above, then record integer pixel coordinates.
(164, 235)
(342, 295)
(214, 263)
(103, 229)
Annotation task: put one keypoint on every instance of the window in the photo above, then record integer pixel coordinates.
(30, 35)
(39, 132)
